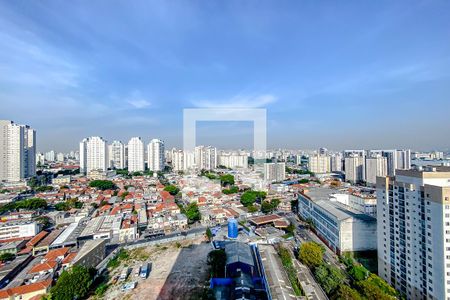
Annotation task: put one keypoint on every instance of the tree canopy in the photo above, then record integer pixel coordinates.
(29, 204)
(102, 184)
(172, 189)
(231, 190)
(269, 206)
(329, 278)
(311, 254)
(73, 284)
(250, 197)
(227, 180)
(192, 213)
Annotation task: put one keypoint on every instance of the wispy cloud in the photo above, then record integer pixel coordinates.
(136, 100)
(239, 101)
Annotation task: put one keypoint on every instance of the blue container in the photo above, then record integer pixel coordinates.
(232, 228)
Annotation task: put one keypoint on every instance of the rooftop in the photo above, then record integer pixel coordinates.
(238, 252)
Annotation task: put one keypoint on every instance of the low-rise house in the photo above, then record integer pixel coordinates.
(26, 292)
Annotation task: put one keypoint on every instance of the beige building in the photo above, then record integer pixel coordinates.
(319, 164)
(413, 211)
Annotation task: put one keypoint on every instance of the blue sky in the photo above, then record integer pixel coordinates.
(338, 74)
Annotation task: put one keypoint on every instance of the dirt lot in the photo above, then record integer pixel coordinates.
(178, 271)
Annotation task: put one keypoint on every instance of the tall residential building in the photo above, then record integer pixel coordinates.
(233, 160)
(155, 152)
(413, 232)
(336, 162)
(404, 159)
(50, 156)
(93, 155)
(136, 155)
(206, 157)
(40, 159)
(116, 155)
(319, 163)
(274, 172)
(376, 166)
(177, 160)
(355, 168)
(60, 157)
(189, 160)
(17, 151)
(396, 159)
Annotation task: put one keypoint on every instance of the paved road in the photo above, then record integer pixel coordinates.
(303, 234)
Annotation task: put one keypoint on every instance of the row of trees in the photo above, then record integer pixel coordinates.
(286, 260)
(69, 204)
(363, 284)
(29, 204)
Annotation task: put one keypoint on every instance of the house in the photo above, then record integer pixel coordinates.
(26, 292)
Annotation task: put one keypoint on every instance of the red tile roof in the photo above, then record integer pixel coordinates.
(46, 266)
(54, 254)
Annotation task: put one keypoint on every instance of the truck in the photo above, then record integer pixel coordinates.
(145, 269)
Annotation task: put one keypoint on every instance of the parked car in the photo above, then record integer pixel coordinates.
(129, 286)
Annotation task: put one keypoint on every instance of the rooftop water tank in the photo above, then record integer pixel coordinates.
(232, 228)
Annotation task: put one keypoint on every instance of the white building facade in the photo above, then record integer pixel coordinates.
(155, 152)
(93, 155)
(17, 151)
(205, 157)
(116, 155)
(136, 155)
(375, 166)
(413, 211)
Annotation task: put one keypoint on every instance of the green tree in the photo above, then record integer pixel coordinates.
(227, 180)
(231, 190)
(248, 198)
(269, 206)
(62, 206)
(103, 184)
(74, 283)
(192, 213)
(311, 254)
(346, 293)
(44, 221)
(216, 261)
(358, 272)
(375, 288)
(252, 209)
(209, 234)
(6, 256)
(45, 188)
(329, 278)
(172, 189)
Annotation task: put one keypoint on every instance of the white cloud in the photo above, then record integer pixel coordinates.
(137, 100)
(139, 103)
(238, 102)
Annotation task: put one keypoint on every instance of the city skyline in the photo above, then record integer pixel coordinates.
(353, 75)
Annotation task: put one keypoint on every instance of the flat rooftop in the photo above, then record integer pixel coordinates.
(69, 235)
(262, 220)
(321, 197)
